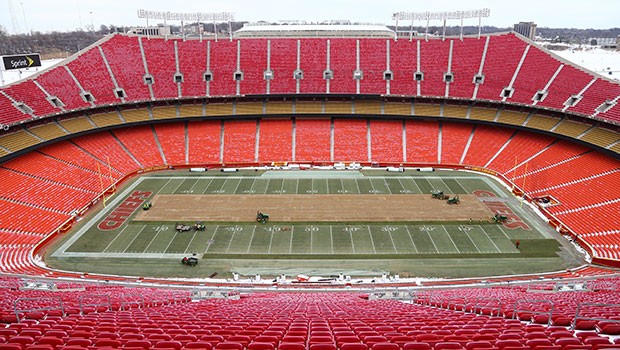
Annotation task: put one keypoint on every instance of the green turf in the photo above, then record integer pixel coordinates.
(401, 246)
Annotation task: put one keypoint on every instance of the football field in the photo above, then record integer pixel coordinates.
(118, 239)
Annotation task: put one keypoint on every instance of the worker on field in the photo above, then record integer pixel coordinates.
(517, 244)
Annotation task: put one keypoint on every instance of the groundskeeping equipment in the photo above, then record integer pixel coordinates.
(499, 218)
(191, 261)
(262, 217)
(454, 200)
(438, 194)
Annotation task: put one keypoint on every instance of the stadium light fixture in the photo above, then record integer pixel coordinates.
(441, 16)
(189, 16)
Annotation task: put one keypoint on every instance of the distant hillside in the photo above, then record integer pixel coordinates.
(49, 45)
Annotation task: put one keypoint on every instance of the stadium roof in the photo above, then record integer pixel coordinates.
(315, 30)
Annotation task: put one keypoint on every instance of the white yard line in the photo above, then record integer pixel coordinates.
(138, 234)
(432, 241)
(251, 239)
(209, 184)
(222, 188)
(404, 190)
(212, 238)
(469, 237)
(451, 240)
(374, 190)
(270, 241)
(504, 232)
(416, 185)
(117, 235)
(232, 237)
(446, 185)
(393, 244)
(166, 184)
(189, 244)
(191, 189)
(172, 240)
(492, 241)
(372, 241)
(352, 243)
(411, 238)
(237, 188)
(251, 190)
(151, 242)
(176, 189)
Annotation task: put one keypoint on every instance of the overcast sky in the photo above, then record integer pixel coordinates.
(62, 15)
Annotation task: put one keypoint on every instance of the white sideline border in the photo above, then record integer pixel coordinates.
(61, 252)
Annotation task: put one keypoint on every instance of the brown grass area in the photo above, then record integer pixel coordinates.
(315, 208)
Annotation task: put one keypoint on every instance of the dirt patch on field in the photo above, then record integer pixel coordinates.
(315, 208)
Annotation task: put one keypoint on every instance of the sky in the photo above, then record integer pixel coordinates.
(64, 15)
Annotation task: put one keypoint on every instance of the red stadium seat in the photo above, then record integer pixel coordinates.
(385, 346)
(168, 344)
(138, 343)
(199, 345)
(353, 346)
(229, 345)
(480, 344)
(322, 346)
(417, 346)
(11, 346)
(292, 346)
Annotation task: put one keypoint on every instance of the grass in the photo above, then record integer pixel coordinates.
(431, 248)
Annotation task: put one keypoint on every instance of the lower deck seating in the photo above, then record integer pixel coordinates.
(36, 164)
(18, 217)
(486, 142)
(350, 140)
(570, 170)
(239, 141)
(275, 142)
(140, 141)
(454, 139)
(559, 151)
(204, 141)
(172, 140)
(41, 193)
(521, 147)
(70, 153)
(313, 140)
(421, 136)
(107, 149)
(386, 140)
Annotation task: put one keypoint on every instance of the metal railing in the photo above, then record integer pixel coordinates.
(95, 300)
(534, 307)
(22, 310)
(586, 312)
